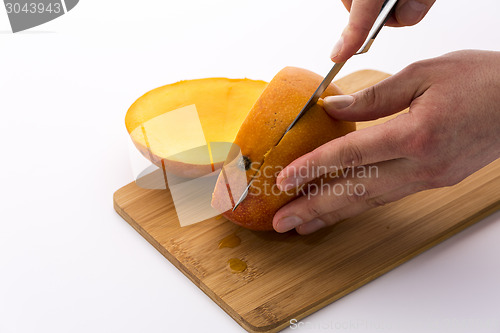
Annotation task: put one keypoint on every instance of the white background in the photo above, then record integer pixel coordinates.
(69, 263)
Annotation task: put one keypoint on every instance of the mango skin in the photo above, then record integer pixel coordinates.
(279, 104)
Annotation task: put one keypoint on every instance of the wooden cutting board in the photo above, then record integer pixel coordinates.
(290, 276)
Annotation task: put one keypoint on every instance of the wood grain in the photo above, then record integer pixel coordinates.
(290, 276)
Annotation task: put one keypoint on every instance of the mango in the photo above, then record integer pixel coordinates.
(257, 154)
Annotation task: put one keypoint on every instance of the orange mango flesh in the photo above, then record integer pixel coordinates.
(163, 123)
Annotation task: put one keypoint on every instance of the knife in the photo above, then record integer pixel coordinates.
(383, 16)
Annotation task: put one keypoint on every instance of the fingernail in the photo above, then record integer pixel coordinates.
(288, 223)
(289, 183)
(312, 226)
(338, 101)
(337, 48)
(411, 12)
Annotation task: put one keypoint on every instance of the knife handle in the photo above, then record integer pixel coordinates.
(382, 17)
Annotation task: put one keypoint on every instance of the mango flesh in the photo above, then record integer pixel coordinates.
(280, 102)
(173, 125)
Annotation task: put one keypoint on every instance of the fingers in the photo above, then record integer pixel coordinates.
(385, 98)
(361, 19)
(410, 12)
(357, 185)
(332, 218)
(367, 146)
(358, 208)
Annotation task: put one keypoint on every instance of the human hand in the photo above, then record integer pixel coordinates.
(362, 17)
(451, 131)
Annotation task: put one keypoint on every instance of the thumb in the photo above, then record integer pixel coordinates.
(385, 98)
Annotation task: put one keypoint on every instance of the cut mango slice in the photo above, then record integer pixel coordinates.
(174, 125)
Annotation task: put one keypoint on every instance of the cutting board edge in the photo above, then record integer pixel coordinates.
(227, 309)
(282, 324)
(438, 240)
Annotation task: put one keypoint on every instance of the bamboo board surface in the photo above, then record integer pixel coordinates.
(290, 276)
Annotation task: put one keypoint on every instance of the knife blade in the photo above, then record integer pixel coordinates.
(382, 17)
(377, 26)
